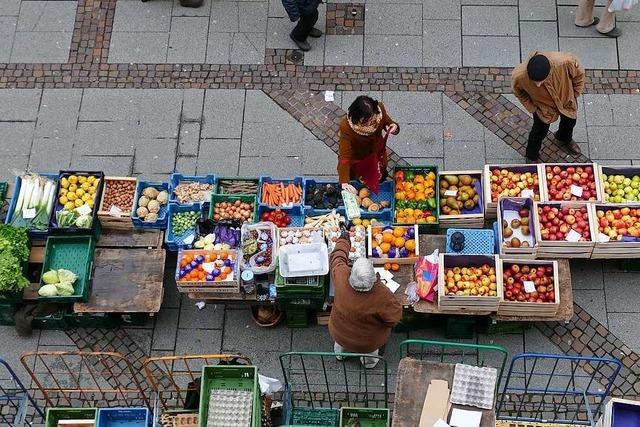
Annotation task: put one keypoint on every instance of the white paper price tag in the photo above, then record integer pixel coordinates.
(329, 96)
(529, 286)
(573, 236)
(84, 210)
(29, 213)
(208, 267)
(603, 237)
(527, 192)
(189, 239)
(452, 193)
(115, 211)
(576, 190)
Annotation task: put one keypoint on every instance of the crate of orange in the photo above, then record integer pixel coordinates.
(415, 198)
(214, 271)
(393, 244)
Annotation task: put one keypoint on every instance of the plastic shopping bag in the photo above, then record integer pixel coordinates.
(617, 5)
(427, 276)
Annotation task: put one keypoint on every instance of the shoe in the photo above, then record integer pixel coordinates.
(367, 364)
(304, 46)
(613, 33)
(596, 20)
(315, 33)
(531, 160)
(571, 146)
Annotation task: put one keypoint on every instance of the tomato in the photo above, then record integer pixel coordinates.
(265, 216)
(399, 176)
(287, 220)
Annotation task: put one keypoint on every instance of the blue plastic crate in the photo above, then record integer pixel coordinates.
(172, 241)
(177, 178)
(295, 213)
(33, 234)
(475, 241)
(296, 180)
(123, 417)
(161, 222)
(385, 194)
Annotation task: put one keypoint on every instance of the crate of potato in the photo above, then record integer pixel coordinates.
(118, 198)
(564, 229)
(530, 288)
(510, 181)
(571, 182)
(469, 283)
(516, 234)
(618, 230)
(393, 243)
(151, 205)
(461, 204)
(237, 208)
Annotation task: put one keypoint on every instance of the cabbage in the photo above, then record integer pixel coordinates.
(67, 276)
(50, 277)
(84, 221)
(48, 291)
(65, 289)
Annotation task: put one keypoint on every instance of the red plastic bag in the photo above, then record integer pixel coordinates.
(427, 276)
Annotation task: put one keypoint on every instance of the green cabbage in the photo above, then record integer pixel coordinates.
(65, 289)
(50, 277)
(67, 276)
(84, 221)
(48, 291)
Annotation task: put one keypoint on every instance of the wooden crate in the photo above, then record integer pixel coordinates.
(517, 253)
(605, 248)
(225, 286)
(521, 308)
(468, 220)
(458, 303)
(406, 260)
(544, 181)
(490, 205)
(111, 220)
(563, 249)
(627, 171)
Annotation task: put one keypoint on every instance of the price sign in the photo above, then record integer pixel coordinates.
(29, 213)
(529, 286)
(115, 211)
(603, 237)
(452, 193)
(576, 190)
(527, 192)
(573, 236)
(84, 210)
(189, 239)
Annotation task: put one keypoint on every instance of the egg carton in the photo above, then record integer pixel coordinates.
(474, 386)
(230, 408)
(358, 239)
(300, 236)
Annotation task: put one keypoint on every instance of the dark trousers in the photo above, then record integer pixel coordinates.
(540, 130)
(304, 26)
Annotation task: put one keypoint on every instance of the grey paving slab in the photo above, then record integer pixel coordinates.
(155, 155)
(393, 50)
(628, 51)
(41, 47)
(46, 152)
(278, 30)
(47, 16)
(495, 148)
(14, 345)
(224, 17)
(218, 48)
(154, 16)
(19, 104)
(276, 9)
(460, 155)
(343, 50)
(106, 138)
(441, 44)
(55, 338)
(613, 142)
(618, 287)
(223, 113)
(210, 317)
(204, 10)
(189, 140)
(7, 31)
(414, 107)
(436, 9)
(247, 48)
(312, 338)
(419, 140)
(393, 18)
(317, 158)
(489, 21)
(538, 35)
(490, 2)
(272, 138)
(533, 10)
(219, 156)
(626, 328)
(632, 15)
(315, 56)
(248, 336)
(142, 337)
(198, 341)
(58, 113)
(458, 124)
(109, 104)
(110, 165)
(259, 108)
(593, 52)
(186, 165)
(490, 51)
(10, 7)
(192, 104)
(626, 110)
(147, 48)
(567, 26)
(10, 163)
(425, 161)
(20, 134)
(598, 109)
(593, 301)
(278, 166)
(188, 40)
(164, 333)
(252, 17)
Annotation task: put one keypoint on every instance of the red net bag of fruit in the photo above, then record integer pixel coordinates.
(427, 276)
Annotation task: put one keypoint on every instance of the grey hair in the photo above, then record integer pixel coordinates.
(363, 276)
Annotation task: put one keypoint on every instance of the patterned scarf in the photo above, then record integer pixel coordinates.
(367, 130)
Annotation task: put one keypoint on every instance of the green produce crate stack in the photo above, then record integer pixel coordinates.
(56, 414)
(3, 191)
(297, 317)
(7, 312)
(306, 417)
(364, 417)
(54, 321)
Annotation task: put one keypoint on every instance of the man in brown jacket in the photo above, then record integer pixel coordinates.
(548, 85)
(364, 309)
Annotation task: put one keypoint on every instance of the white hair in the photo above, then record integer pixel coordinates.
(363, 276)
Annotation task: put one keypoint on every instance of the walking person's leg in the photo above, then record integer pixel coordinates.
(337, 348)
(565, 134)
(584, 14)
(538, 132)
(303, 29)
(607, 25)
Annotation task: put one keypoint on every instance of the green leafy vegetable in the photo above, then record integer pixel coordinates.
(15, 241)
(66, 218)
(11, 277)
(50, 277)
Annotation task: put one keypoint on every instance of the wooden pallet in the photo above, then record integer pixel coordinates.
(521, 308)
(544, 195)
(116, 221)
(563, 249)
(472, 220)
(490, 206)
(517, 253)
(605, 248)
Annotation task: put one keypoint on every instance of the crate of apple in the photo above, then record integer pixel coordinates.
(530, 288)
(510, 181)
(469, 282)
(571, 182)
(618, 231)
(564, 222)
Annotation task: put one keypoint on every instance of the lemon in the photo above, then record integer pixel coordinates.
(91, 190)
(63, 191)
(79, 192)
(86, 197)
(357, 221)
(79, 203)
(90, 203)
(69, 205)
(71, 196)
(82, 179)
(91, 179)
(73, 179)
(63, 200)
(366, 223)
(64, 183)
(73, 188)
(85, 186)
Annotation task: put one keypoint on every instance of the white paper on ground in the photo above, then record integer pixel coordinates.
(573, 236)
(392, 285)
(576, 190)
(384, 274)
(328, 96)
(462, 418)
(529, 286)
(201, 305)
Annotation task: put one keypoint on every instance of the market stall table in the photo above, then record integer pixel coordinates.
(412, 382)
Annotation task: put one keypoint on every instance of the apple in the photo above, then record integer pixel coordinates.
(473, 281)
(562, 178)
(507, 182)
(619, 221)
(556, 220)
(541, 275)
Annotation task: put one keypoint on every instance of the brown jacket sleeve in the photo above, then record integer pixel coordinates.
(391, 312)
(339, 259)
(520, 93)
(576, 71)
(386, 120)
(344, 152)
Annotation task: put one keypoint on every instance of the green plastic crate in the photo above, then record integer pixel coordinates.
(299, 286)
(229, 377)
(300, 302)
(297, 318)
(245, 198)
(3, 191)
(433, 227)
(364, 417)
(54, 321)
(460, 327)
(56, 414)
(7, 312)
(236, 178)
(304, 416)
(74, 253)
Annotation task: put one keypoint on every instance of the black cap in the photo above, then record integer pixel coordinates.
(538, 68)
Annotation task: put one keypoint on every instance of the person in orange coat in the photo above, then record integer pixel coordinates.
(364, 310)
(363, 143)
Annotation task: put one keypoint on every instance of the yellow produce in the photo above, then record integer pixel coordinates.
(64, 183)
(76, 191)
(79, 203)
(63, 200)
(69, 205)
(72, 196)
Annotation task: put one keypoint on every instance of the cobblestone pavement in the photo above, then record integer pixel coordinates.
(151, 88)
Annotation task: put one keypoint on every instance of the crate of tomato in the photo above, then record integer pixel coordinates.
(292, 217)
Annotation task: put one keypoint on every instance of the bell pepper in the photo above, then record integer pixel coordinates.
(431, 202)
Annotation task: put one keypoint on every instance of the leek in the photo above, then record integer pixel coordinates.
(41, 220)
(26, 190)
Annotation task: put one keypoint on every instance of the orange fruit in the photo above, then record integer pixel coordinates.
(398, 231)
(410, 245)
(411, 195)
(387, 237)
(395, 267)
(385, 247)
(387, 266)
(224, 255)
(227, 270)
(398, 242)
